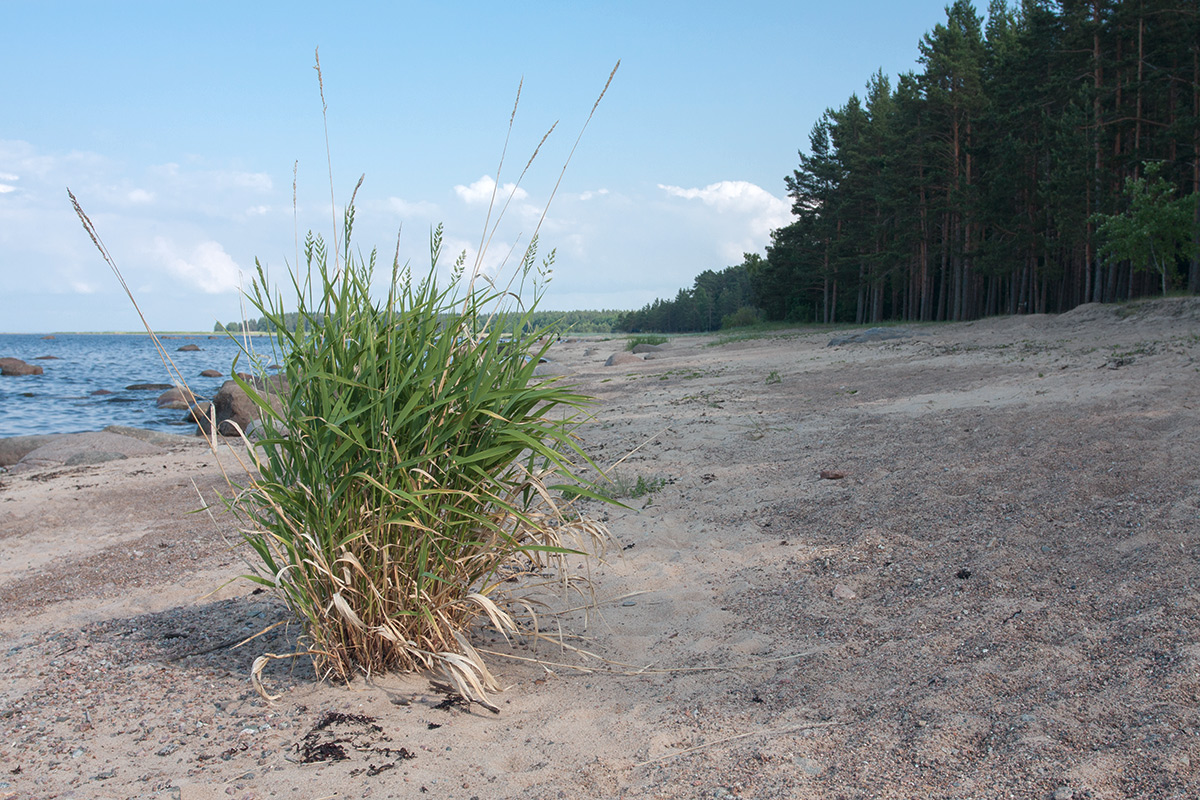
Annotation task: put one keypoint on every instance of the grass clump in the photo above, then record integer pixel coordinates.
(649, 340)
(412, 471)
(620, 486)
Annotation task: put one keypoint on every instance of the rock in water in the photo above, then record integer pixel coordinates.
(177, 397)
(16, 367)
(236, 411)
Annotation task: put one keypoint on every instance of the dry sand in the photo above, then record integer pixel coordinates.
(998, 599)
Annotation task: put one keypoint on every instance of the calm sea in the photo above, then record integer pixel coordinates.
(68, 397)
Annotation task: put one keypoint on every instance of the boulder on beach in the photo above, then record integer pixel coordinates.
(75, 449)
(14, 448)
(154, 437)
(16, 367)
(618, 359)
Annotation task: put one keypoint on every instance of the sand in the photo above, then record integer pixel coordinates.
(996, 598)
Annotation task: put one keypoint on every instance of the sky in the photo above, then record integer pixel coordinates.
(193, 136)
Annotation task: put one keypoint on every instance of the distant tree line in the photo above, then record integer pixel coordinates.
(715, 299)
(1046, 158)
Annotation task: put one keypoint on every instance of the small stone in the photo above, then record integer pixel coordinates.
(843, 592)
(1064, 793)
(809, 766)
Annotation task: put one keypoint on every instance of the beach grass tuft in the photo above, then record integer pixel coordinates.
(413, 470)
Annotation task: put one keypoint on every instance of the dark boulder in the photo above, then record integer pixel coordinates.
(16, 367)
(199, 414)
(211, 373)
(148, 387)
(236, 412)
(177, 397)
(187, 348)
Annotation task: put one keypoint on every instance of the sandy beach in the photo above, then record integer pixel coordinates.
(962, 563)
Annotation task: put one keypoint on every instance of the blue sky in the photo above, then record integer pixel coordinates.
(178, 126)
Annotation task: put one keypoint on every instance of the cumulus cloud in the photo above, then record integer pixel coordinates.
(746, 213)
(422, 209)
(764, 209)
(206, 266)
(481, 191)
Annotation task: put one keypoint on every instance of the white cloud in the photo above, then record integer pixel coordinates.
(421, 209)
(255, 181)
(482, 190)
(5, 188)
(589, 194)
(82, 287)
(207, 266)
(141, 196)
(746, 213)
(739, 197)
(8, 179)
(8, 176)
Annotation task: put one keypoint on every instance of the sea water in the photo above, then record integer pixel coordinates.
(69, 396)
